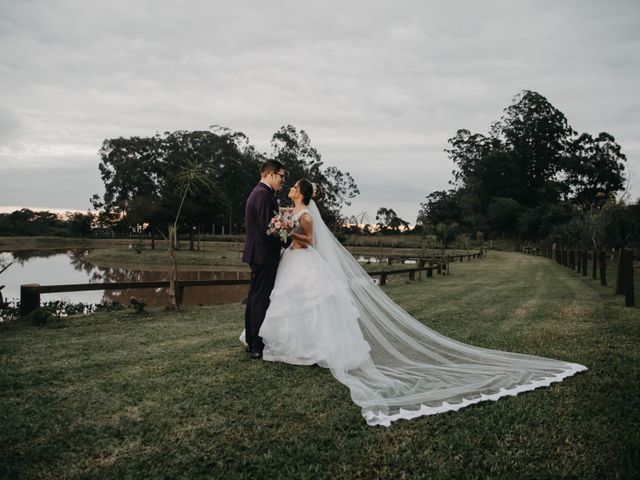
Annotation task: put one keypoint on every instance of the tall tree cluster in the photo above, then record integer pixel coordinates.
(529, 174)
(140, 178)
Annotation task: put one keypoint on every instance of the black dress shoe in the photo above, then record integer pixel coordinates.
(255, 355)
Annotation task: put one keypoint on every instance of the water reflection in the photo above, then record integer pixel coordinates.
(369, 259)
(158, 297)
(70, 266)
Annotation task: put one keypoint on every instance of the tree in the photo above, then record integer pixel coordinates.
(79, 224)
(503, 214)
(226, 160)
(441, 207)
(446, 233)
(192, 175)
(301, 160)
(533, 157)
(138, 175)
(29, 222)
(389, 221)
(129, 168)
(619, 225)
(537, 135)
(594, 165)
(573, 234)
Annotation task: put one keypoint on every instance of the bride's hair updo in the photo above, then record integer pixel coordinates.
(306, 189)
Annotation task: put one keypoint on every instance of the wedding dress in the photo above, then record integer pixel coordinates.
(310, 318)
(326, 309)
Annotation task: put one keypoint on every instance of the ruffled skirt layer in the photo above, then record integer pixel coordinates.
(311, 319)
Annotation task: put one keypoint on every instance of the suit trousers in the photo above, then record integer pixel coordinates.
(262, 279)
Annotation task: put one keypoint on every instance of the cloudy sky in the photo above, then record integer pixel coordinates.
(379, 86)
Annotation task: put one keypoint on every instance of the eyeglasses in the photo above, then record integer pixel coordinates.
(281, 175)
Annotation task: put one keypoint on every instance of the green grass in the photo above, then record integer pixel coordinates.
(43, 243)
(172, 395)
(223, 254)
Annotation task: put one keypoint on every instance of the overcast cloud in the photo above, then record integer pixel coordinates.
(379, 86)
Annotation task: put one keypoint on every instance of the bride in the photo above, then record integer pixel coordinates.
(326, 310)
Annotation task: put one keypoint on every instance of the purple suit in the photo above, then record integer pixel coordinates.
(262, 253)
(260, 248)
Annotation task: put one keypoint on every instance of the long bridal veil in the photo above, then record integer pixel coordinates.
(412, 370)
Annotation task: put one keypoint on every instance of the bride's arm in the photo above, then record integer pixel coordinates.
(305, 238)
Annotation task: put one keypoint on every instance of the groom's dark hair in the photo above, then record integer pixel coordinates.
(270, 166)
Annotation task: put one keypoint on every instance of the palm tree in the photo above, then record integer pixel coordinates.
(188, 178)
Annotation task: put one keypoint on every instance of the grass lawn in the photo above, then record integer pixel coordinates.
(219, 254)
(172, 395)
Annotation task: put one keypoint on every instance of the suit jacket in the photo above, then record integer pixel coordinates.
(260, 248)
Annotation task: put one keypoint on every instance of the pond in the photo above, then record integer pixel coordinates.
(383, 260)
(57, 267)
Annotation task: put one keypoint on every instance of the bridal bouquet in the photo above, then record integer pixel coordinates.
(282, 224)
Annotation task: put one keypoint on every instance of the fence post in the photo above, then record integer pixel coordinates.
(579, 262)
(585, 254)
(383, 279)
(179, 294)
(420, 266)
(594, 266)
(412, 275)
(620, 287)
(603, 267)
(29, 298)
(626, 267)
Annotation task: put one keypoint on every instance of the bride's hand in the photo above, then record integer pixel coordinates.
(303, 235)
(299, 240)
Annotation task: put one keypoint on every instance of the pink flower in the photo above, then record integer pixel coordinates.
(278, 225)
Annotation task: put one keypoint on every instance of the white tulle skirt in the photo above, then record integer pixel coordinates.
(311, 319)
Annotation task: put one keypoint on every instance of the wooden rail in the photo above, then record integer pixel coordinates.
(30, 293)
(391, 258)
(411, 271)
(440, 264)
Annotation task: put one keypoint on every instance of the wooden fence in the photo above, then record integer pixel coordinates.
(396, 258)
(578, 260)
(30, 293)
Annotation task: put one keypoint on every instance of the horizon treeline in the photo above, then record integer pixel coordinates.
(532, 178)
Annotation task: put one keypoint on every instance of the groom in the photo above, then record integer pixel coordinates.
(261, 251)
